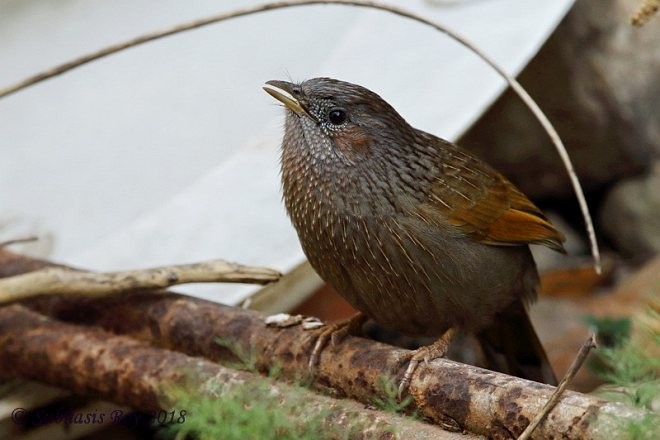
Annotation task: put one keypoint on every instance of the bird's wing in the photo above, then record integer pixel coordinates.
(484, 205)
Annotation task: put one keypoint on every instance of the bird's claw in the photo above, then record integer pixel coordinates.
(427, 353)
(318, 346)
(335, 333)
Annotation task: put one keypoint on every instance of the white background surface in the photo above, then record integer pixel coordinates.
(168, 153)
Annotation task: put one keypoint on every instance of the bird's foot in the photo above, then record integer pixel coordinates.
(335, 333)
(427, 353)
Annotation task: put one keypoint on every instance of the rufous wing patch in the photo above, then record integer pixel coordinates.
(517, 227)
(494, 213)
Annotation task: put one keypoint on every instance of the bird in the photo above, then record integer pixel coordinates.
(415, 232)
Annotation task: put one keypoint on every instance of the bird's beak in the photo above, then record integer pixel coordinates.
(282, 91)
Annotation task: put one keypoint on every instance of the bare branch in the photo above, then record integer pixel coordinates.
(93, 362)
(61, 280)
(513, 83)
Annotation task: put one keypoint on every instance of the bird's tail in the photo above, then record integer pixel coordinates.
(511, 346)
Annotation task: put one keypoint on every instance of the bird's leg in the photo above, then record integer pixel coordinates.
(336, 332)
(426, 354)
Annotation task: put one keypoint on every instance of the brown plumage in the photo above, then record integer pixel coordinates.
(415, 232)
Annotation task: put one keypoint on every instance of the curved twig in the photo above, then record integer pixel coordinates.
(19, 240)
(515, 85)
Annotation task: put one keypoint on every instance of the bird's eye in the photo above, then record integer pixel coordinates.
(337, 116)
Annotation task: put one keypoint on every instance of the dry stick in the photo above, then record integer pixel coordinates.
(586, 348)
(63, 280)
(515, 85)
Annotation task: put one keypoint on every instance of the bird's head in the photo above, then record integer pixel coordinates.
(338, 120)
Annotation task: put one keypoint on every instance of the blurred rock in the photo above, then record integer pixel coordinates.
(597, 80)
(630, 216)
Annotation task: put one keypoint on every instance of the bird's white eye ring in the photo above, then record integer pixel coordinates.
(337, 116)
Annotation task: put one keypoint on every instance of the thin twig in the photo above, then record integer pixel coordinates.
(645, 12)
(20, 240)
(586, 348)
(517, 88)
(61, 280)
